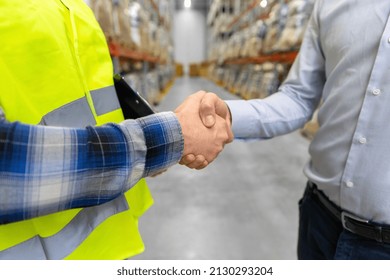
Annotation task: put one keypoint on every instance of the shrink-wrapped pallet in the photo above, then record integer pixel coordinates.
(298, 16)
(271, 79)
(103, 13)
(255, 42)
(121, 24)
(275, 25)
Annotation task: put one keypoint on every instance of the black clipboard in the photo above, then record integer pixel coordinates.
(131, 102)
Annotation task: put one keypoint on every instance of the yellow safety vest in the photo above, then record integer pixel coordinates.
(55, 69)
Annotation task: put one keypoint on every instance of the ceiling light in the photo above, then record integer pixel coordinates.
(187, 3)
(263, 3)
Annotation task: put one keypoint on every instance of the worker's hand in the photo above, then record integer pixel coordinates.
(202, 144)
(211, 106)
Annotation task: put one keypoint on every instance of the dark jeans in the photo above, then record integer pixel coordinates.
(321, 236)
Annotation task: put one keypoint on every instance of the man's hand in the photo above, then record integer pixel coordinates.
(211, 106)
(203, 144)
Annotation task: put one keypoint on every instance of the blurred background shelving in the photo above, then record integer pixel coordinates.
(139, 34)
(253, 43)
(244, 205)
(246, 46)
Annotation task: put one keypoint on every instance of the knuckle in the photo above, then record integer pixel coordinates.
(212, 94)
(206, 105)
(199, 160)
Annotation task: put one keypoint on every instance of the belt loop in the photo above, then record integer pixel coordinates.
(311, 187)
(352, 223)
(379, 236)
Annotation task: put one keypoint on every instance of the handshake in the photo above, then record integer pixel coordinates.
(206, 126)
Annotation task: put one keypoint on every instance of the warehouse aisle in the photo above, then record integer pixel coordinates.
(243, 206)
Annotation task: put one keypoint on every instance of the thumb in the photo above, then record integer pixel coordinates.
(207, 108)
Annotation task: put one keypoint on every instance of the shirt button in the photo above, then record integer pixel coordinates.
(362, 140)
(376, 92)
(349, 184)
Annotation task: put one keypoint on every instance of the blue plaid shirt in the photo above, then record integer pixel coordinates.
(50, 169)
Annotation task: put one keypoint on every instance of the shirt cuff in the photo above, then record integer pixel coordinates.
(164, 141)
(244, 122)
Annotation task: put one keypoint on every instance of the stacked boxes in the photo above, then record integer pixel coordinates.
(242, 31)
(141, 30)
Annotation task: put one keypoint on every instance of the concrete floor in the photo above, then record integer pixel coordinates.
(243, 206)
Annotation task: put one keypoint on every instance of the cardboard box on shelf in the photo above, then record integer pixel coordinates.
(194, 70)
(179, 69)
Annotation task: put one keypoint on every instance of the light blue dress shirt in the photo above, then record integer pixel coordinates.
(343, 65)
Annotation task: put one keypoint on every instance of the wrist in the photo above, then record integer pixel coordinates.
(230, 114)
(163, 139)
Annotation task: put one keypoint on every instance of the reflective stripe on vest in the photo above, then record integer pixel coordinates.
(2, 115)
(60, 71)
(79, 114)
(75, 232)
(105, 100)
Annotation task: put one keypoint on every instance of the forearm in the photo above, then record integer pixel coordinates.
(267, 118)
(46, 169)
(295, 102)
